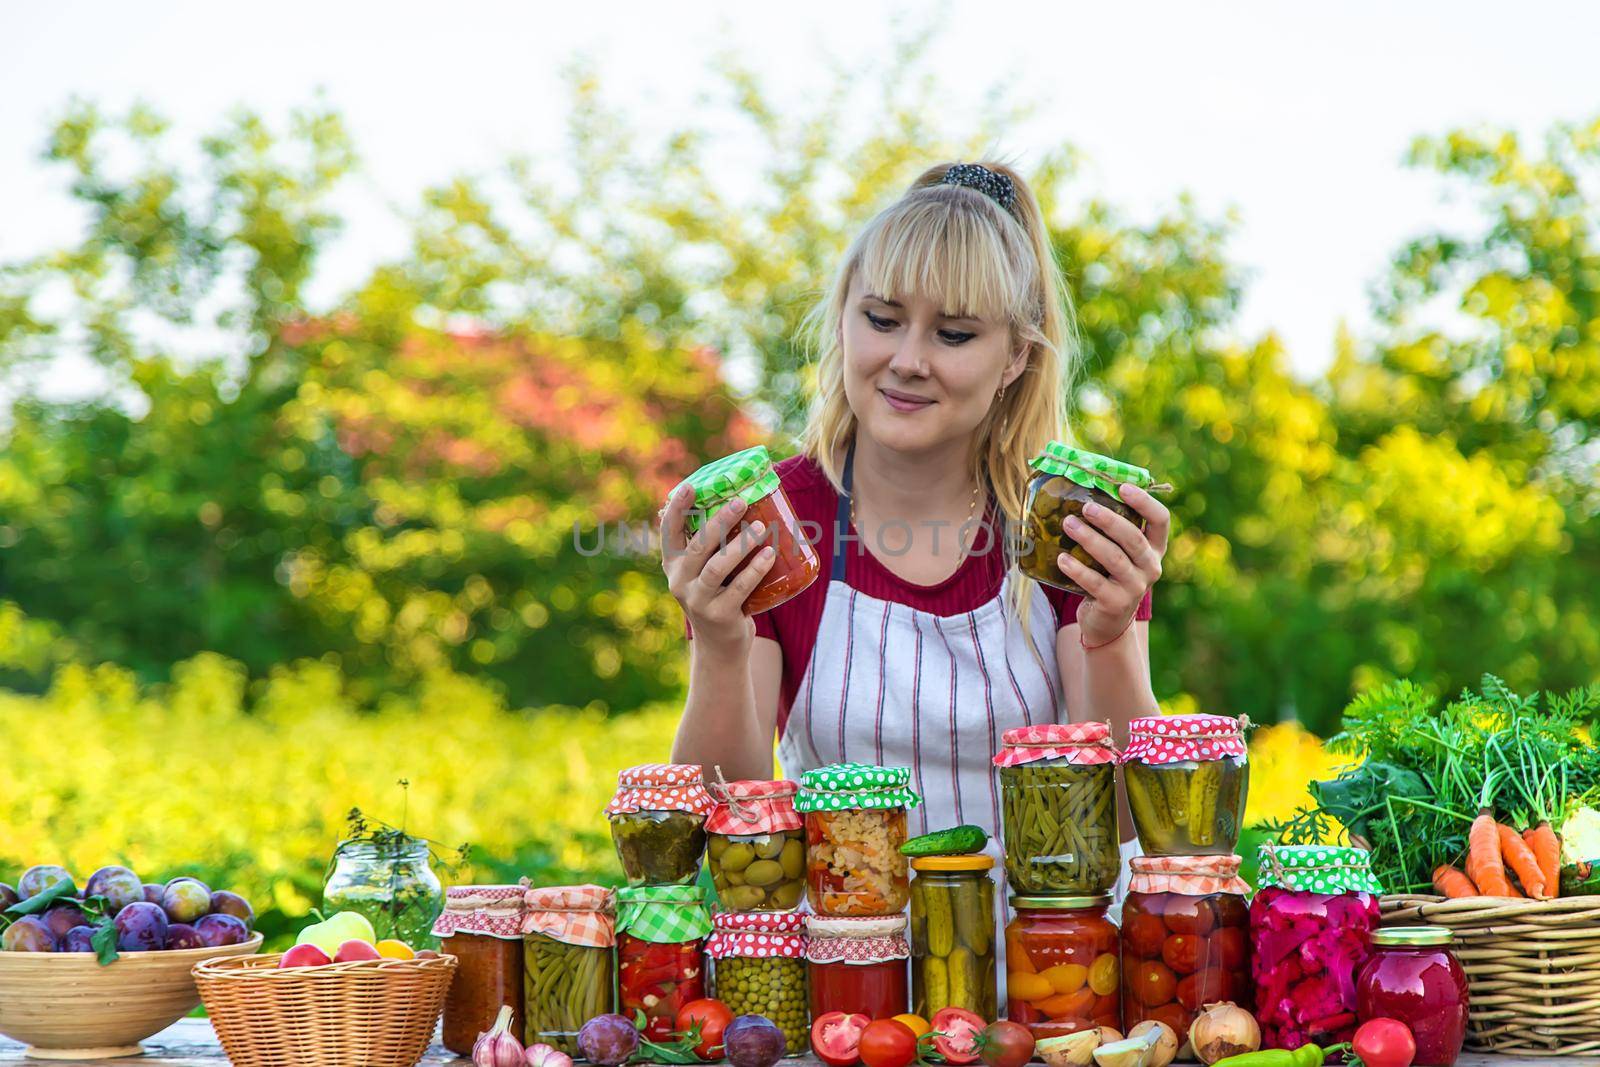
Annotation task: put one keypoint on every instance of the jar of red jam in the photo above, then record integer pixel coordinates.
(858, 965)
(1062, 970)
(661, 934)
(481, 926)
(1415, 978)
(749, 476)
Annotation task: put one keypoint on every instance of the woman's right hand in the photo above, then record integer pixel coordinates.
(698, 567)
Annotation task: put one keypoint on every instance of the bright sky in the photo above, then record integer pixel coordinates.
(1296, 115)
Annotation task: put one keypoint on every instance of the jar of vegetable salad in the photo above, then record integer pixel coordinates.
(858, 965)
(1310, 929)
(855, 824)
(953, 935)
(759, 968)
(658, 822)
(481, 926)
(757, 846)
(1066, 479)
(748, 476)
(1058, 799)
(567, 976)
(1187, 777)
(661, 934)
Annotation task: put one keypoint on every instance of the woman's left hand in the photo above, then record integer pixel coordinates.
(1132, 558)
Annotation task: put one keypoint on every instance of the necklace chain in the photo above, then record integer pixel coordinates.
(971, 510)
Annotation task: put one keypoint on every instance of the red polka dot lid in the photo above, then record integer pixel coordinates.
(759, 935)
(1180, 738)
(1079, 743)
(661, 787)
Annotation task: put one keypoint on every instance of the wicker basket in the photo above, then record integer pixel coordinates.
(1533, 968)
(374, 1013)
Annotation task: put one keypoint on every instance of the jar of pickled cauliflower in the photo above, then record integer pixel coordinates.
(756, 846)
(1065, 479)
(855, 824)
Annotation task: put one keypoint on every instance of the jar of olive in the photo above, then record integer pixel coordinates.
(759, 968)
(756, 846)
(1066, 479)
(658, 823)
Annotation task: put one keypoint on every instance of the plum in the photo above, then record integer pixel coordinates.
(63, 917)
(29, 934)
(185, 900)
(118, 885)
(226, 903)
(218, 930)
(78, 939)
(36, 880)
(141, 927)
(753, 1041)
(8, 896)
(608, 1040)
(153, 891)
(182, 935)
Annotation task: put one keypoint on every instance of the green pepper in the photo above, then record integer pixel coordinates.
(1304, 1056)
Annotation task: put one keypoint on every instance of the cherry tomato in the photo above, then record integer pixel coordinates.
(1007, 1044)
(1181, 952)
(1189, 915)
(958, 1031)
(917, 1023)
(1152, 983)
(1385, 1043)
(836, 1038)
(713, 1017)
(1205, 987)
(1231, 948)
(887, 1043)
(1144, 934)
(1171, 1014)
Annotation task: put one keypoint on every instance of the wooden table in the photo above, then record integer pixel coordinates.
(191, 1043)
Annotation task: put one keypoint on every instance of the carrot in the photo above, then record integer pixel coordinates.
(1484, 864)
(1546, 846)
(1452, 883)
(1521, 859)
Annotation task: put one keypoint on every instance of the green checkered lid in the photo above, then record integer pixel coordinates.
(1092, 470)
(747, 475)
(1318, 869)
(841, 786)
(663, 914)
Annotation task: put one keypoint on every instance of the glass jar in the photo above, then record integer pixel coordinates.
(759, 968)
(748, 476)
(858, 965)
(756, 846)
(1310, 925)
(1185, 939)
(1062, 971)
(481, 926)
(567, 977)
(855, 824)
(1058, 801)
(1415, 978)
(658, 823)
(389, 882)
(1066, 479)
(661, 932)
(952, 935)
(1187, 777)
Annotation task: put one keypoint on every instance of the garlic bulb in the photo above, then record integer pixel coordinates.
(542, 1055)
(1165, 1049)
(1069, 1050)
(498, 1047)
(1223, 1030)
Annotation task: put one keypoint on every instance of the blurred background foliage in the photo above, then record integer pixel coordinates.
(367, 504)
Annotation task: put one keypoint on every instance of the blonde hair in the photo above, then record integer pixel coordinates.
(960, 248)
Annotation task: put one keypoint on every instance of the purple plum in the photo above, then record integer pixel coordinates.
(182, 935)
(226, 903)
(29, 934)
(78, 940)
(185, 900)
(218, 930)
(141, 927)
(8, 896)
(36, 880)
(118, 885)
(153, 892)
(62, 917)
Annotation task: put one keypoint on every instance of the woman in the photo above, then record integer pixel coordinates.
(945, 365)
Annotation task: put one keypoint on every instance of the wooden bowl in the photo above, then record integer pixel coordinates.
(66, 1006)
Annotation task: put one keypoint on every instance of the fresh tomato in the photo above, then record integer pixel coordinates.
(1006, 1044)
(713, 1017)
(887, 1043)
(917, 1023)
(1385, 1043)
(958, 1031)
(836, 1038)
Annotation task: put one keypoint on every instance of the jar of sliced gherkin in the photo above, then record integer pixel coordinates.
(568, 977)
(759, 968)
(756, 846)
(1064, 480)
(1058, 801)
(658, 823)
(1187, 777)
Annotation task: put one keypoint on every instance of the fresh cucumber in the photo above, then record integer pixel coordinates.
(956, 841)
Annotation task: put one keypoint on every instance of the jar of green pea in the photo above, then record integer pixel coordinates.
(759, 968)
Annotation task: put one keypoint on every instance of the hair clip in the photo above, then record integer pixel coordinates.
(997, 187)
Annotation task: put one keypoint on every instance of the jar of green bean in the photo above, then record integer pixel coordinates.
(1058, 800)
(759, 968)
(568, 978)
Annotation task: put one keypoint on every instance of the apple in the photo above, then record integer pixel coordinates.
(335, 930)
(354, 951)
(304, 956)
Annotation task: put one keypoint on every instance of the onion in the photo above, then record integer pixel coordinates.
(1223, 1030)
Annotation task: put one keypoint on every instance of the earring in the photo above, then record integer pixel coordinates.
(1001, 395)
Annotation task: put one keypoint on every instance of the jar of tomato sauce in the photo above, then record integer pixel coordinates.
(1062, 971)
(1185, 939)
(1415, 978)
(748, 476)
(661, 934)
(858, 965)
(481, 926)
(855, 824)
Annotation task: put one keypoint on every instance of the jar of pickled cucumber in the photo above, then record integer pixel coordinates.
(658, 823)
(953, 935)
(858, 965)
(1058, 803)
(1066, 479)
(481, 925)
(759, 968)
(756, 846)
(567, 974)
(855, 824)
(1187, 777)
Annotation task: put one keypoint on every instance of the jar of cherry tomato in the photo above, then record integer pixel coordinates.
(855, 824)
(568, 936)
(1185, 939)
(1062, 971)
(759, 968)
(749, 476)
(858, 965)
(481, 926)
(658, 822)
(1187, 777)
(661, 932)
(1310, 927)
(1415, 978)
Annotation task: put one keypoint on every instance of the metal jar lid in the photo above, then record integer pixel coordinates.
(1412, 935)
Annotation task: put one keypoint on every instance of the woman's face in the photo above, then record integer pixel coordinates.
(915, 379)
